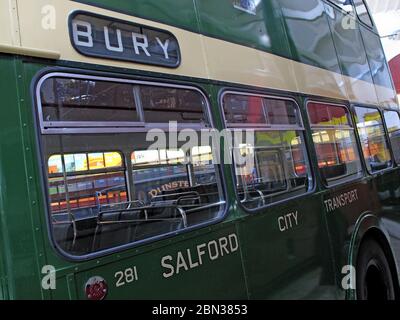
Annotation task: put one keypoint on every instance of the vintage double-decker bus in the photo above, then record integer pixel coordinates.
(90, 209)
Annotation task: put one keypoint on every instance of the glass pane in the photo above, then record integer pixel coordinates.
(373, 139)
(203, 167)
(393, 125)
(157, 157)
(113, 159)
(55, 164)
(162, 105)
(337, 153)
(281, 112)
(96, 161)
(362, 12)
(242, 109)
(346, 5)
(277, 169)
(91, 212)
(328, 115)
(87, 100)
(75, 162)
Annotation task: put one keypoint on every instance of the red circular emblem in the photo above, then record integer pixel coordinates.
(96, 288)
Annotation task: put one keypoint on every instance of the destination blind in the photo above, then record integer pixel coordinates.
(104, 37)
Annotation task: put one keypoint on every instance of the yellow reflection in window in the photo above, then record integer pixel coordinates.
(96, 161)
(112, 159)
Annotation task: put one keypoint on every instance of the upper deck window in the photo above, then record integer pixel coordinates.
(171, 104)
(362, 12)
(257, 111)
(72, 102)
(87, 100)
(328, 115)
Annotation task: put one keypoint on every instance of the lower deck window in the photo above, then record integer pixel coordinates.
(279, 171)
(373, 139)
(276, 166)
(99, 200)
(335, 142)
(108, 185)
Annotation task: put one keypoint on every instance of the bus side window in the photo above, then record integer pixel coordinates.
(80, 186)
(373, 139)
(335, 143)
(392, 121)
(276, 165)
(362, 12)
(345, 5)
(98, 200)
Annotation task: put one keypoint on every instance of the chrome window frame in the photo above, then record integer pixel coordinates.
(384, 111)
(222, 192)
(65, 127)
(268, 128)
(265, 126)
(385, 134)
(344, 178)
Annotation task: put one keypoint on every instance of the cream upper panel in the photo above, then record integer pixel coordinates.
(202, 57)
(238, 64)
(57, 39)
(9, 34)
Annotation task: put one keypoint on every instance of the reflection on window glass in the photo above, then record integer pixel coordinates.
(92, 210)
(242, 109)
(169, 104)
(100, 199)
(55, 164)
(281, 112)
(328, 115)
(65, 99)
(275, 166)
(113, 159)
(96, 161)
(279, 170)
(75, 162)
(346, 5)
(392, 121)
(81, 101)
(362, 12)
(252, 110)
(336, 148)
(373, 139)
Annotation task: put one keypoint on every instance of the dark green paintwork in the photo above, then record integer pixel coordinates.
(304, 262)
(349, 47)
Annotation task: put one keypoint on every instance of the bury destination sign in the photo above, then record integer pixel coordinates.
(98, 36)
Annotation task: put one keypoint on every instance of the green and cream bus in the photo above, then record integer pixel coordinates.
(89, 210)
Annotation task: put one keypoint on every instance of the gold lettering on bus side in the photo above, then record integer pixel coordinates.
(190, 259)
(341, 200)
(288, 221)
